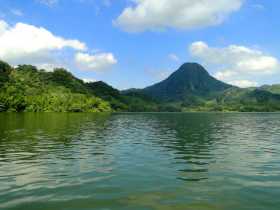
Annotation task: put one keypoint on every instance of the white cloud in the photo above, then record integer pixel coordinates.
(96, 62)
(28, 44)
(259, 63)
(244, 83)
(88, 80)
(173, 57)
(3, 27)
(179, 14)
(236, 62)
(24, 43)
(50, 66)
(225, 75)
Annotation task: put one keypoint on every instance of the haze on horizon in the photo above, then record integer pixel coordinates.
(136, 43)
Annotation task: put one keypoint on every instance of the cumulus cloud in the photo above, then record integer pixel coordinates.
(3, 27)
(235, 62)
(28, 44)
(97, 62)
(180, 14)
(24, 43)
(89, 80)
(244, 83)
(225, 75)
(50, 66)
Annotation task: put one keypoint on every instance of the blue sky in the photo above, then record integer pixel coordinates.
(136, 43)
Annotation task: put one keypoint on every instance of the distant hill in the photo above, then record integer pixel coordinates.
(130, 101)
(271, 88)
(28, 89)
(248, 100)
(191, 81)
(190, 88)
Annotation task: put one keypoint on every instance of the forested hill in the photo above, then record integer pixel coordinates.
(192, 88)
(25, 88)
(28, 89)
(189, 81)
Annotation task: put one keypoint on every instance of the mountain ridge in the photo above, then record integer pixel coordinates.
(190, 88)
(191, 79)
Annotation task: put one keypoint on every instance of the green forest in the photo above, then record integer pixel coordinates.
(26, 88)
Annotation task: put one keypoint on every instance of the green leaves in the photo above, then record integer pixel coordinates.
(29, 90)
(5, 70)
(191, 88)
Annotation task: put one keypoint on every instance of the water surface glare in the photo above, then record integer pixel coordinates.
(192, 161)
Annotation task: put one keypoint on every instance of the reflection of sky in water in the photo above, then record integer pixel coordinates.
(139, 161)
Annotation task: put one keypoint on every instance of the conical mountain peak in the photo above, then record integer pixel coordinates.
(191, 79)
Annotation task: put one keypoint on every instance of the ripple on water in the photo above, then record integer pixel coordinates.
(140, 161)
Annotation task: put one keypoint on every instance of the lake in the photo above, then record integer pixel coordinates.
(164, 161)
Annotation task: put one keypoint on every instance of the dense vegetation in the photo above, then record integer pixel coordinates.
(28, 89)
(120, 102)
(275, 89)
(127, 101)
(25, 88)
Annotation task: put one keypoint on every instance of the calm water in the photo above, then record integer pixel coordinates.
(140, 161)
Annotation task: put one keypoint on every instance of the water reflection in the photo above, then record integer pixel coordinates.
(139, 161)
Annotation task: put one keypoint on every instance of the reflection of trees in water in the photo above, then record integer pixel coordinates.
(30, 141)
(185, 133)
(76, 154)
(204, 142)
(39, 134)
(66, 155)
(189, 137)
(192, 139)
(45, 149)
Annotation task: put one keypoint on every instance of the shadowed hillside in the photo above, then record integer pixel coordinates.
(189, 81)
(190, 88)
